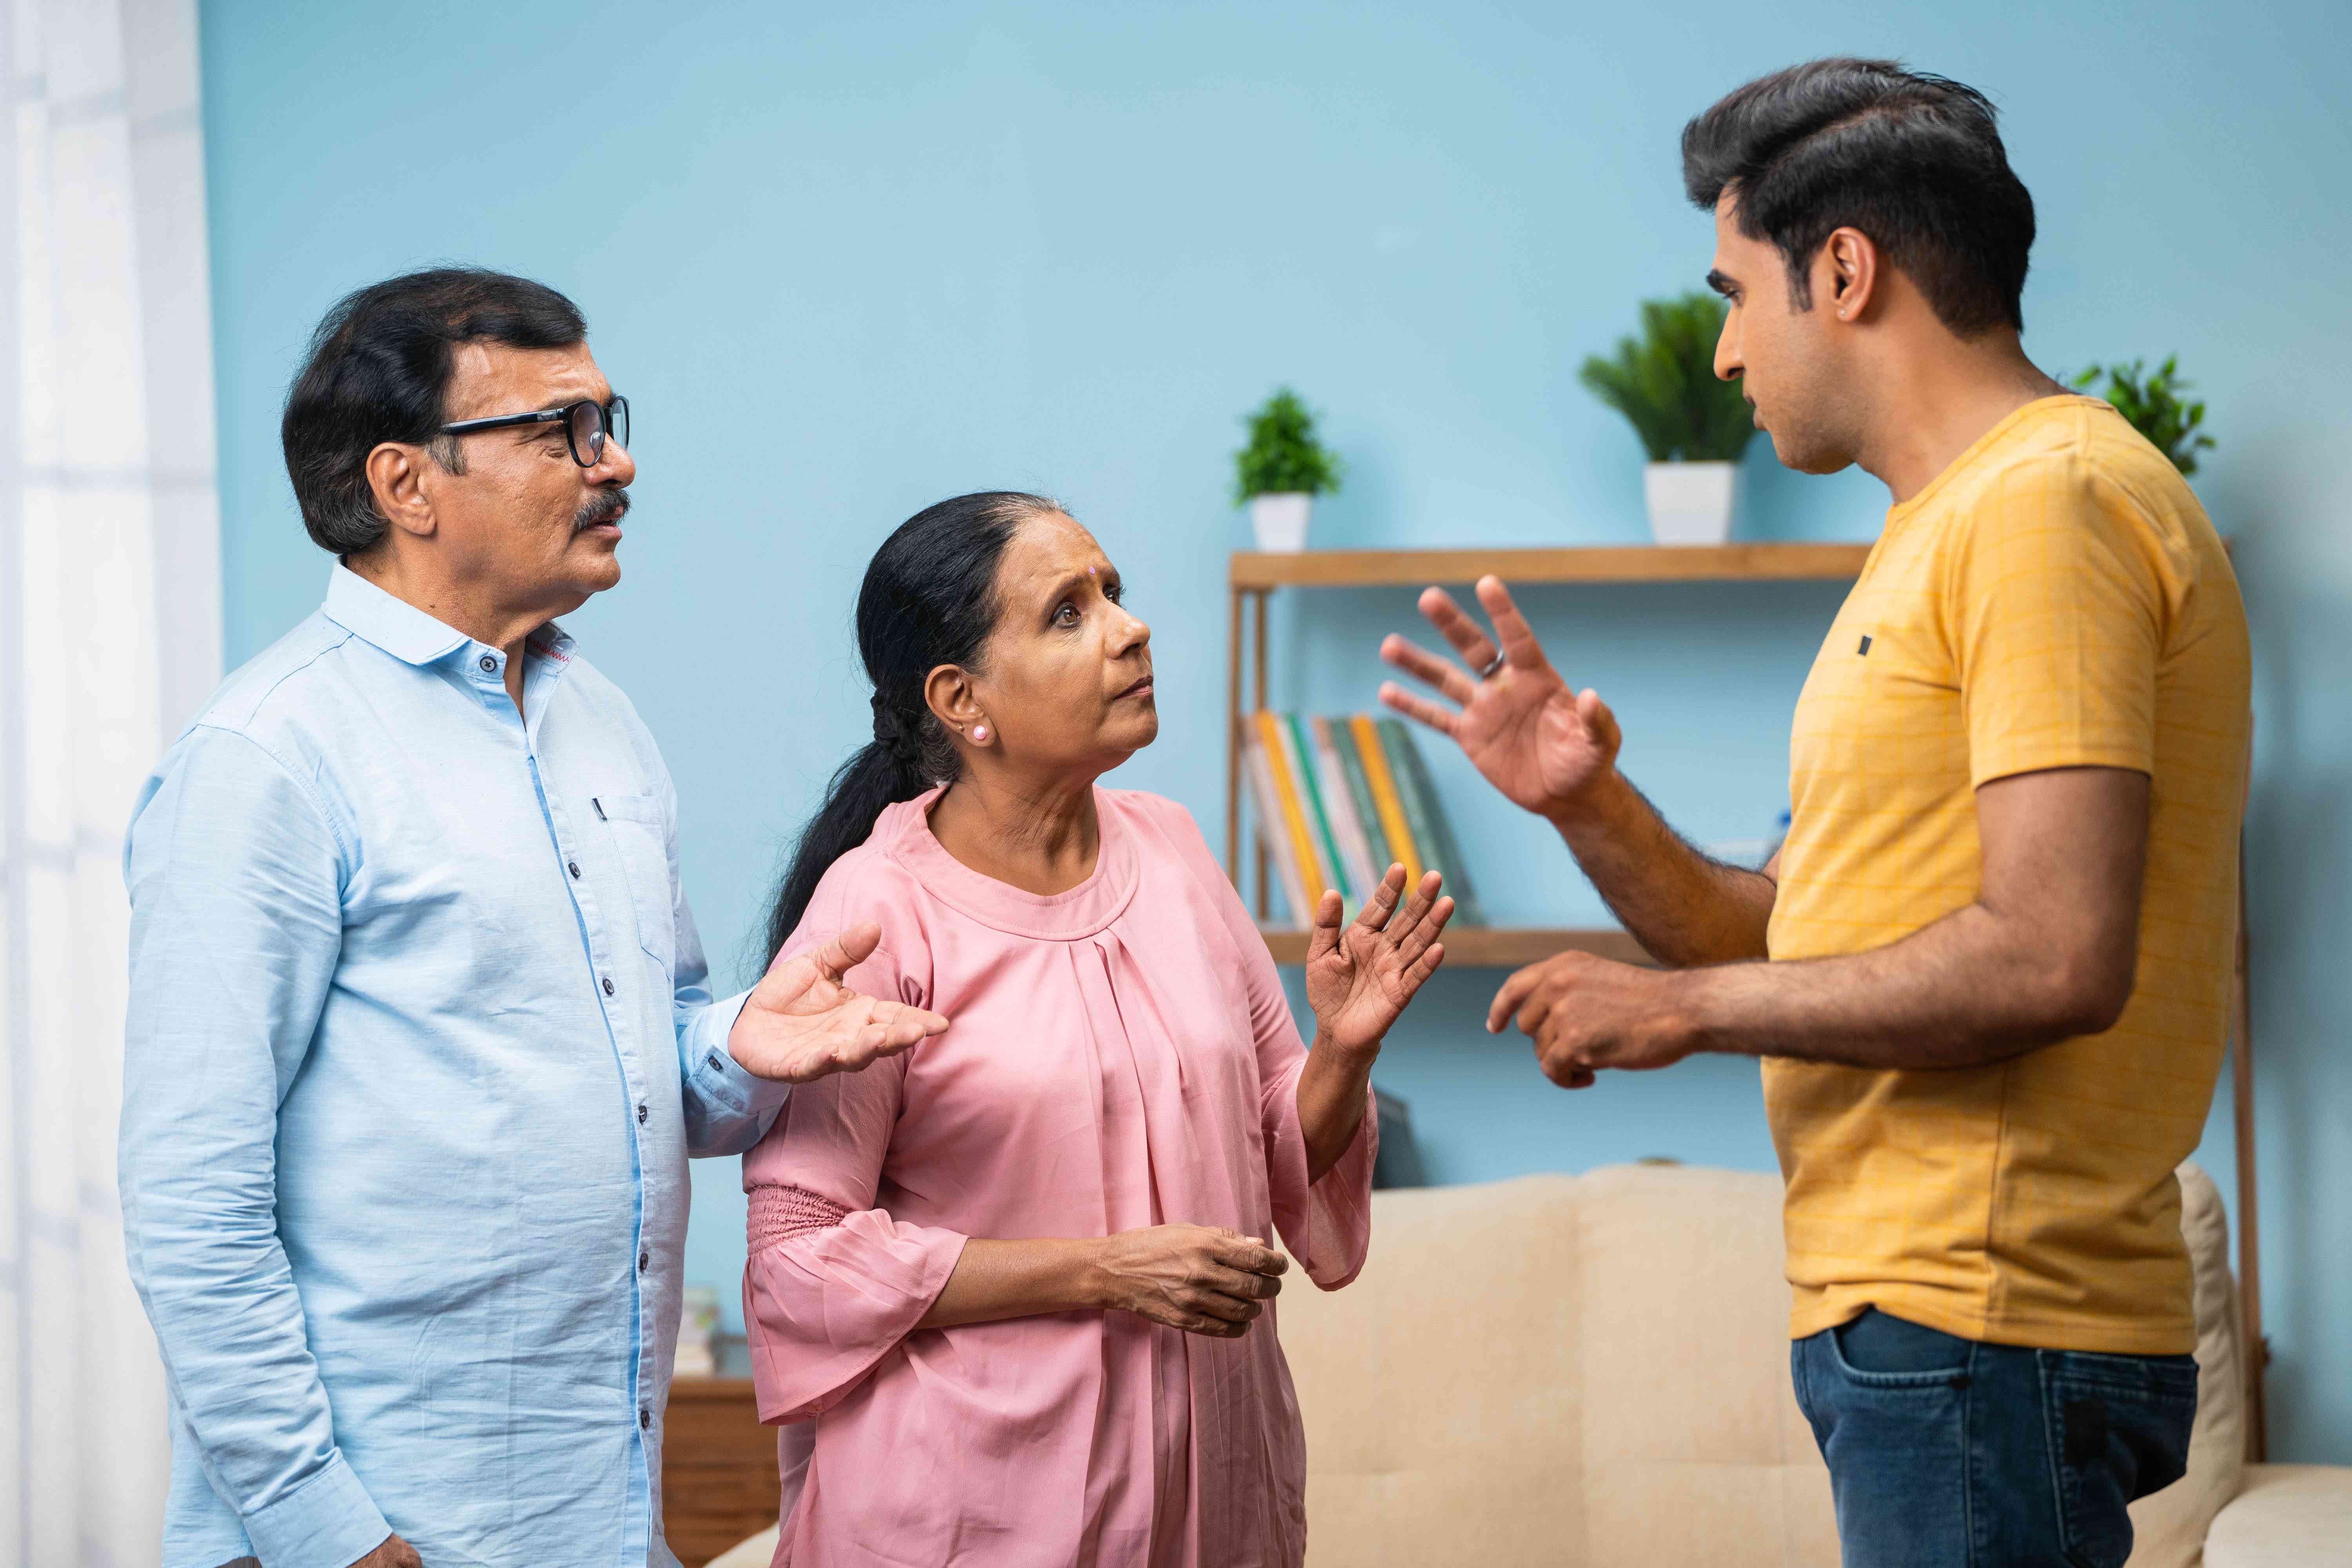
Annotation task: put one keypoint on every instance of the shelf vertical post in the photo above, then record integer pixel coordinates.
(1257, 677)
(1233, 735)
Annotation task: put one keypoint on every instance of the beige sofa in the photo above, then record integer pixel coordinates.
(1594, 1371)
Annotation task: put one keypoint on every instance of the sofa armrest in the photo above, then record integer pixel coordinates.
(2283, 1516)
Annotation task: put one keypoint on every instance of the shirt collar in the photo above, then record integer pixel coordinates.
(407, 633)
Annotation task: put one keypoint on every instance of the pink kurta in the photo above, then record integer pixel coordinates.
(1120, 1055)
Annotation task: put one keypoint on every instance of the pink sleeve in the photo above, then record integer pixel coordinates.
(832, 1283)
(1328, 1225)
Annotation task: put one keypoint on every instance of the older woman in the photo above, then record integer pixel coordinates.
(1007, 1288)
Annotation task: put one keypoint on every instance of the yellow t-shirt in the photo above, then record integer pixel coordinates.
(2055, 598)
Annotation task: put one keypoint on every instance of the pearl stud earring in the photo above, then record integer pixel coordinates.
(979, 735)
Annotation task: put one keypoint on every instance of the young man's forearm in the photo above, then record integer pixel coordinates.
(1683, 907)
(1966, 991)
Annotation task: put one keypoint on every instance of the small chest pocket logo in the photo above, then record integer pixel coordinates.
(1863, 651)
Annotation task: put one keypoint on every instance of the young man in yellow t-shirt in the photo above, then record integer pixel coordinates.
(1988, 972)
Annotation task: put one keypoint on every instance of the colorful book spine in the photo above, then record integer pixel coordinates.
(1275, 833)
(1360, 795)
(1301, 756)
(1385, 799)
(1293, 818)
(1429, 824)
(1339, 804)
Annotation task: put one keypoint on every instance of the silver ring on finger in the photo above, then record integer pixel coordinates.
(1492, 666)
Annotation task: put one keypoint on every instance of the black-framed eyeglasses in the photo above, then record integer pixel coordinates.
(585, 426)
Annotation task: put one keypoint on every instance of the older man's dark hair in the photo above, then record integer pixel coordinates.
(379, 370)
(1914, 161)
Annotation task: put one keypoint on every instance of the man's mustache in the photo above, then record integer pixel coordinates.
(603, 507)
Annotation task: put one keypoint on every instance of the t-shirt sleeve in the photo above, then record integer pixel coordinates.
(2058, 601)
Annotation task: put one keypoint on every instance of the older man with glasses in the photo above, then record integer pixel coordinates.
(419, 1036)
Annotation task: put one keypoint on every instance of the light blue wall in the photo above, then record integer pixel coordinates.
(847, 261)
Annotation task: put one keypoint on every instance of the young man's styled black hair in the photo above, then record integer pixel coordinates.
(1911, 159)
(378, 370)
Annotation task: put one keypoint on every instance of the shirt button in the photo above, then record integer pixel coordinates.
(489, 665)
(608, 986)
(641, 1116)
(645, 1261)
(644, 1419)
(572, 867)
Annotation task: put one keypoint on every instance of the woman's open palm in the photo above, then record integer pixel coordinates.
(1533, 738)
(1361, 975)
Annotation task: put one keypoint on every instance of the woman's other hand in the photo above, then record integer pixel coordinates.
(1542, 744)
(1197, 1278)
(1360, 976)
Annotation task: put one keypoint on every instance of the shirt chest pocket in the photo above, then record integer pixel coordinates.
(641, 837)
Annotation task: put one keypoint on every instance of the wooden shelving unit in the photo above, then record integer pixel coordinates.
(1255, 572)
(1487, 947)
(1254, 575)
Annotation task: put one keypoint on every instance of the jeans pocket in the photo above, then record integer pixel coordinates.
(2118, 1429)
(1878, 1350)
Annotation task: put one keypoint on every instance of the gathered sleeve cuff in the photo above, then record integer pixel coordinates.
(828, 1294)
(1327, 1224)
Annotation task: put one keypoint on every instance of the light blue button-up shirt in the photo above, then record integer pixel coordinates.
(418, 1047)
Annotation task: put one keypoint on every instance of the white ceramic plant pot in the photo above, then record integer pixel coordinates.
(1280, 520)
(1691, 504)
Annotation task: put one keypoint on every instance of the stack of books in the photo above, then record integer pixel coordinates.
(1339, 800)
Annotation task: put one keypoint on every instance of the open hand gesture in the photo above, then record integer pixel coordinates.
(1359, 978)
(1535, 740)
(803, 1023)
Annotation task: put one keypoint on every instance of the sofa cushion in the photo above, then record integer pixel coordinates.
(1440, 1390)
(2287, 1516)
(1695, 1450)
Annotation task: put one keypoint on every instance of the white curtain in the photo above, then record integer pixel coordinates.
(109, 638)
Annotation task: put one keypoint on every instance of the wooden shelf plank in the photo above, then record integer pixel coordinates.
(1491, 947)
(1256, 570)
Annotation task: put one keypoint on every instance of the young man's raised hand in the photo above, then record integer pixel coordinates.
(1539, 742)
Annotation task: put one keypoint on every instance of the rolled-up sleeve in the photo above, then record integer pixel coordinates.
(727, 1108)
(235, 877)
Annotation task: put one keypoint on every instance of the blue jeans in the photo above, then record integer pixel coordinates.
(1946, 1453)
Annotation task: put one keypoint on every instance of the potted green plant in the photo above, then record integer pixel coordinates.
(1694, 426)
(1281, 472)
(2154, 406)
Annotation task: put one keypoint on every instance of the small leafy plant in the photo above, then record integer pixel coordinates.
(1664, 382)
(1282, 454)
(2154, 406)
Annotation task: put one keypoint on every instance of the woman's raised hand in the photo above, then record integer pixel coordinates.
(1533, 738)
(1201, 1278)
(1360, 976)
